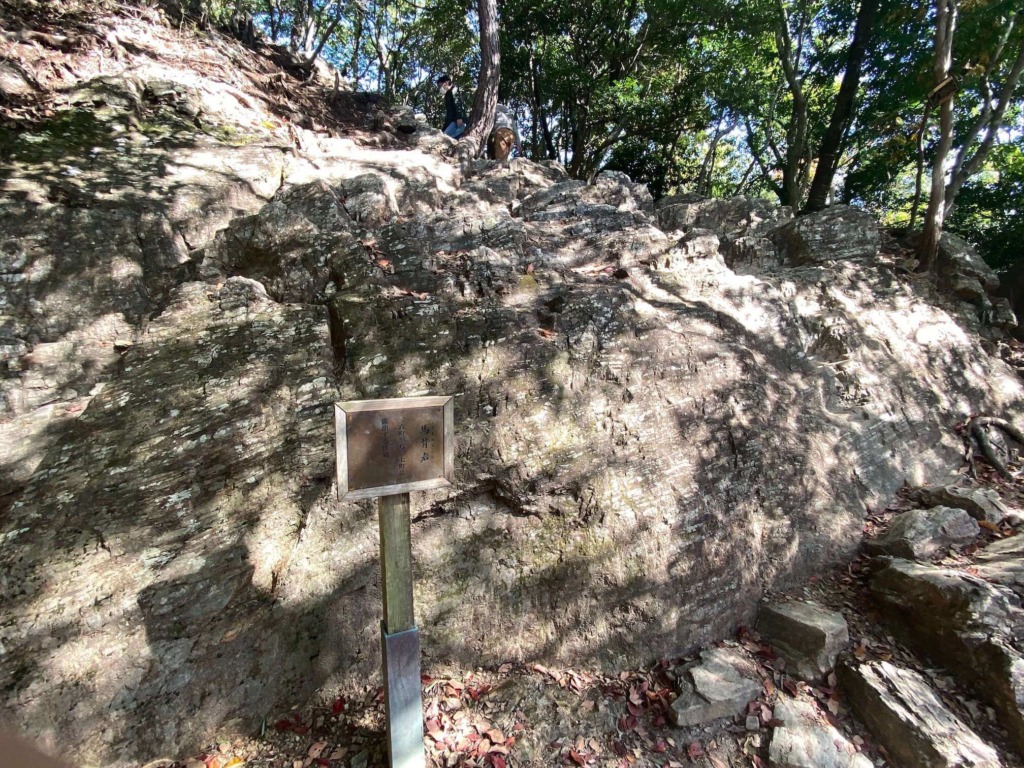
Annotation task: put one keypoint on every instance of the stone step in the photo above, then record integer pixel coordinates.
(923, 533)
(807, 636)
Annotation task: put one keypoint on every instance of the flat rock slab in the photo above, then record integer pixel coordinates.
(964, 623)
(720, 685)
(906, 716)
(979, 503)
(807, 740)
(923, 533)
(808, 636)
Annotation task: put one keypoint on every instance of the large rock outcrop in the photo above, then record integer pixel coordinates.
(647, 440)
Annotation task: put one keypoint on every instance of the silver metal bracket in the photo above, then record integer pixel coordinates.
(403, 699)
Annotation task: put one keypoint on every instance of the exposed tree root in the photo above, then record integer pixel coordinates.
(978, 437)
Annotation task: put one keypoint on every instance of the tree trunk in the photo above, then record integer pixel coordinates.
(928, 245)
(486, 102)
(707, 167)
(992, 120)
(919, 174)
(796, 133)
(538, 115)
(831, 144)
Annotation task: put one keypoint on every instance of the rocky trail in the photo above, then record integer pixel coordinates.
(674, 418)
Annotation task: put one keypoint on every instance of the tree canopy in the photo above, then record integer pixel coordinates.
(759, 97)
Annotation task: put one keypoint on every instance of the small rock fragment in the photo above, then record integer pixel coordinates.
(720, 685)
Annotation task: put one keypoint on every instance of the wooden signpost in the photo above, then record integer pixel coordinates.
(387, 449)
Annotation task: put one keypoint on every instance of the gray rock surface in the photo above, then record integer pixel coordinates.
(906, 717)
(979, 503)
(1002, 562)
(963, 623)
(919, 534)
(805, 739)
(838, 233)
(734, 218)
(1011, 288)
(720, 685)
(807, 635)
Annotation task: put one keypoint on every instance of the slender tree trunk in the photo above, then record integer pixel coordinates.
(539, 116)
(919, 175)
(707, 167)
(486, 102)
(796, 133)
(928, 245)
(966, 166)
(831, 144)
(745, 178)
(357, 41)
(580, 161)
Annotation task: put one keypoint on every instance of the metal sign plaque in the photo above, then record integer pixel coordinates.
(394, 446)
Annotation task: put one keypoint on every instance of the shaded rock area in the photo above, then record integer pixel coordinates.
(720, 685)
(809, 637)
(1011, 288)
(181, 509)
(910, 720)
(964, 623)
(804, 739)
(922, 533)
(647, 439)
(736, 217)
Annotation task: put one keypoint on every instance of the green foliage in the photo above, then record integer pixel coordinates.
(718, 97)
(990, 209)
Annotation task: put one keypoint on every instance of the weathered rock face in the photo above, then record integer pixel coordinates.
(963, 270)
(836, 233)
(154, 573)
(964, 623)
(646, 439)
(733, 218)
(910, 721)
(1011, 288)
(1002, 562)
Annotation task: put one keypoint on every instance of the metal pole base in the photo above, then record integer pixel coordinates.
(403, 700)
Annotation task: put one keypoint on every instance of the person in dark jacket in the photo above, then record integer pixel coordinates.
(454, 116)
